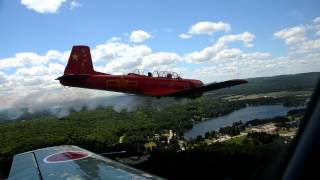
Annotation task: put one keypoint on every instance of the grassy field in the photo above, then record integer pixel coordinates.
(236, 139)
(272, 95)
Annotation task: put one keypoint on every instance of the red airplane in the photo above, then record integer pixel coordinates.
(79, 72)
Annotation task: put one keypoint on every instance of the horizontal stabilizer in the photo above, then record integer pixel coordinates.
(74, 77)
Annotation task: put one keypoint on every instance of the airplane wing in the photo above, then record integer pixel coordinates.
(207, 87)
(70, 162)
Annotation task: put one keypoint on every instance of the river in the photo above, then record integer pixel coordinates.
(244, 114)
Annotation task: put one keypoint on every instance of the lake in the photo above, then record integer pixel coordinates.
(244, 114)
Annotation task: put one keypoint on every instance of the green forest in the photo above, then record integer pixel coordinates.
(100, 130)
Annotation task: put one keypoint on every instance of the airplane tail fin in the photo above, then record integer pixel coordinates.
(80, 61)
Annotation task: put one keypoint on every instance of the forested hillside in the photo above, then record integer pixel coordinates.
(295, 82)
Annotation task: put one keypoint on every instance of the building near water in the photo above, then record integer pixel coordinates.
(268, 128)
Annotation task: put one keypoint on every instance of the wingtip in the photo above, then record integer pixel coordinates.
(240, 81)
(243, 81)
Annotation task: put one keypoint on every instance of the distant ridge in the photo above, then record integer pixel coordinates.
(292, 82)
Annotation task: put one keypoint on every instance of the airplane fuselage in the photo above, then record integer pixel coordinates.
(132, 84)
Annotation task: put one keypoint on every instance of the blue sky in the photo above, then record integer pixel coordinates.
(94, 22)
(207, 40)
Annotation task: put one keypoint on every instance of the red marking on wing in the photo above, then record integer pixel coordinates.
(66, 156)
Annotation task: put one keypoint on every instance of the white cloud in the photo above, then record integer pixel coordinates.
(208, 28)
(22, 59)
(119, 57)
(245, 37)
(203, 56)
(43, 6)
(219, 49)
(184, 36)
(257, 65)
(114, 39)
(161, 58)
(306, 46)
(139, 36)
(292, 35)
(30, 59)
(256, 55)
(316, 20)
(316, 24)
(228, 54)
(3, 78)
(74, 4)
(222, 63)
(298, 38)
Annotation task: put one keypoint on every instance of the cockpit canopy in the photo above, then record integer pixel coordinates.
(159, 74)
(167, 74)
